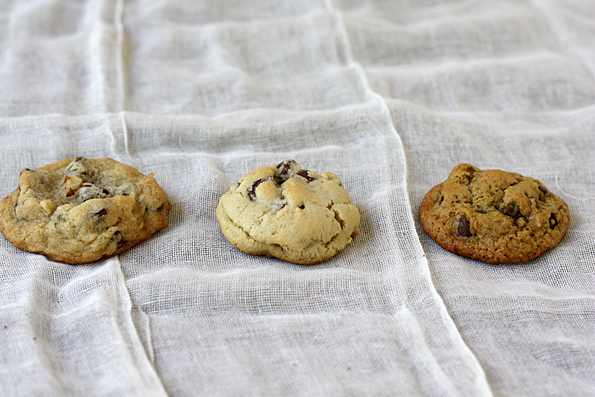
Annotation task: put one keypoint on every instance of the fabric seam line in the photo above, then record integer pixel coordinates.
(136, 335)
(385, 108)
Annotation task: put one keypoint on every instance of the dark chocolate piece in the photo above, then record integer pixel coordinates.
(304, 174)
(553, 221)
(100, 213)
(463, 229)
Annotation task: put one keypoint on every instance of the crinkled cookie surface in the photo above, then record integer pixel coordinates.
(80, 210)
(494, 216)
(289, 213)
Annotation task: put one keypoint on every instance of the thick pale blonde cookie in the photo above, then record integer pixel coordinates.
(493, 216)
(80, 210)
(289, 213)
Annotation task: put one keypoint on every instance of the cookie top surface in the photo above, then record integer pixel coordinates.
(80, 210)
(493, 216)
(290, 213)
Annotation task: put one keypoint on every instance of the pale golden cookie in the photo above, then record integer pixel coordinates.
(80, 210)
(293, 214)
(493, 216)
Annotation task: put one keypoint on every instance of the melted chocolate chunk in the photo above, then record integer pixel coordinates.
(89, 191)
(304, 174)
(553, 221)
(100, 213)
(252, 191)
(78, 168)
(512, 210)
(117, 238)
(543, 189)
(278, 204)
(440, 200)
(284, 167)
(463, 229)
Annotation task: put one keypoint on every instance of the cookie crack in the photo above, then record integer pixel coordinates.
(338, 219)
(242, 229)
(341, 223)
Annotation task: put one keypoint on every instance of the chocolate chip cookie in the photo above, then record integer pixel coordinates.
(493, 216)
(80, 210)
(289, 213)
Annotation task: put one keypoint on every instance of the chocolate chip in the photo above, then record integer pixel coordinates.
(304, 174)
(284, 167)
(512, 210)
(252, 191)
(78, 168)
(543, 189)
(302, 206)
(161, 207)
(553, 221)
(463, 229)
(117, 238)
(440, 200)
(89, 191)
(100, 213)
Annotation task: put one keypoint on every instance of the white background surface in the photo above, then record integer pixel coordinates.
(388, 95)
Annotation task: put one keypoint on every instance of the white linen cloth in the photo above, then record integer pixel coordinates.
(390, 96)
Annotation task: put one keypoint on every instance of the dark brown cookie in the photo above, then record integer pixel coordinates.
(493, 216)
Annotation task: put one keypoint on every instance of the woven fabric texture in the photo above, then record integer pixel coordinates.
(388, 95)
